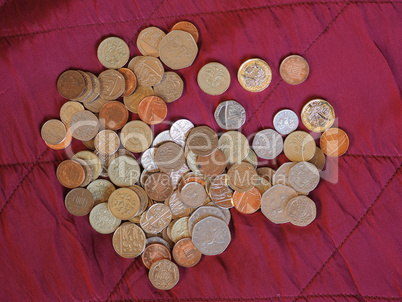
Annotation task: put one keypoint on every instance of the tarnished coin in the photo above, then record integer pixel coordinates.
(286, 121)
(247, 202)
(68, 109)
(204, 212)
(159, 186)
(133, 101)
(268, 144)
(180, 229)
(294, 69)
(91, 159)
(176, 206)
(318, 115)
(273, 203)
(242, 177)
(152, 110)
(112, 83)
(202, 140)
(318, 159)
(213, 78)
(90, 144)
(251, 158)
(64, 144)
(161, 138)
(129, 240)
(148, 41)
(113, 115)
(234, 145)
(101, 190)
(188, 27)
(53, 132)
(299, 146)
(164, 274)
(71, 84)
(96, 105)
(301, 210)
(179, 130)
(211, 236)
(254, 75)
(102, 220)
(178, 49)
(170, 88)
(267, 173)
(70, 174)
(169, 157)
(304, 177)
(124, 171)
(94, 94)
(159, 215)
(230, 115)
(193, 195)
(124, 203)
(130, 81)
(149, 71)
(334, 142)
(281, 175)
(212, 164)
(107, 142)
(262, 185)
(87, 170)
(185, 253)
(147, 159)
(220, 193)
(79, 201)
(153, 253)
(88, 88)
(113, 52)
(136, 136)
(84, 125)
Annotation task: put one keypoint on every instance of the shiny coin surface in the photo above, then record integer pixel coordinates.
(159, 215)
(202, 140)
(188, 27)
(148, 41)
(156, 239)
(152, 110)
(130, 81)
(301, 210)
(146, 225)
(185, 253)
(318, 159)
(70, 174)
(247, 202)
(220, 193)
(164, 274)
(230, 115)
(124, 171)
(159, 186)
(68, 109)
(211, 236)
(161, 138)
(212, 164)
(136, 136)
(286, 121)
(147, 159)
(254, 75)
(242, 177)
(234, 145)
(124, 203)
(294, 69)
(169, 157)
(193, 194)
(129, 240)
(113, 52)
(53, 132)
(179, 229)
(96, 105)
(112, 83)
(170, 88)
(71, 84)
(176, 206)
(178, 49)
(91, 159)
(101, 190)
(113, 115)
(102, 220)
(281, 175)
(64, 144)
(153, 253)
(179, 130)
(268, 144)
(213, 78)
(133, 101)
(84, 125)
(299, 146)
(318, 115)
(273, 203)
(204, 212)
(79, 201)
(304, 177)
(149, 71)
(107, 142)
(334, 142)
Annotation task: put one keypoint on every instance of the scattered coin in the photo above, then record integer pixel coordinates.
(88, 88)
(304, 177)
(247, 202)
(113, 115)
(96, 105)
(294, 69)
(286, 121)
(242, 177)
(124, 203)
(102, 220)
(193, 195)
(234, 145)
(170, 88)
(204, 212)
(147, 159)
(112, 83)
(318, 159)
(281, 175)
(273, 203)
(230, 115)
(169, 157)
(334, 142)
(53, 132)
(94, 94)
(136, 136)
(213, 78)
(107, 142)
(132, 101)
(148, 41)
(124, 171)
(152, 110)
(254, 75)
(212, 164)
(68, 109)
(130, 81)
(318, 115)
(87, 170)
(179, 229)
(70, 174)
(71, 84)
(129, 240)
(299, 146)
(268, 144)
(161, 138)
(185, 253)
(220, 193)
(149, 71)
(159, 186)
(113, 52)
(153, 253)
(251, 158)
(159, 215)
(188, 27)
(262, 185)
(164, 274)
(179, 130)
(301, 210)
(176, 206)
(202, 140)
(92, 160)
(64, 144)
(79, 201)
(84, 125)
(101, 190)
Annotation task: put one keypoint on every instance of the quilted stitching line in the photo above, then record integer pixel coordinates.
(284, 5)
(30, 162)
(318, 272)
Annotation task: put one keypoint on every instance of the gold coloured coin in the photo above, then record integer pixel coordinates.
(68, 109)
(113, 52)
(148, 41)
(132, 101)
(129, 240)
(318, 115)
(102, 220)
(136, 136)
(213, 78)
(299, 146)
(254, 75)
(124, 203)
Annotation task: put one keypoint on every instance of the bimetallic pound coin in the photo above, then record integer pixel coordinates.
(79, 201)
(268, 144)
(299, 146)
(334, 142)
(230, 115)
(294, 69)
(170, 88)
(164, 274)
(273, 203)
(318, 115)
(148, 41)
(213, 78)
(102, 220)
(113, 52)
(301, 210)
(254, 75)
(129, 240)
(286, 121)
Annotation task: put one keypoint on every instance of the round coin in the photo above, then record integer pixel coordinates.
(268, 144)
(164, 274)
(71, 84)
(254, 75)
(273, 203)
(113, 52)
(318, 115)
(153, 253)
(88, 88)
(169, 157)
(129, 240)
(230, 115)
(64, 144)
(101, 190)
(247, 202)
(299, 146)
(159, 186)
(102, 220)
(132, 101)
(147, 159)
(294, 69)
(124, 171)
(318, 159)
(152, 110)
(179, 130)
(136, 136)
(170, 88)
(234, 145)
(202, 140)
(176, 206)
(220, 193)
(304, 177)
(96, 105)
(203, 212)
(79, 201)
(193, 194)
(185, 253)
(112, 83)
(149, 71)
(159, 215)
(107, 142)
(242, 177)
(161, 138)
(68, 109)
(148, 41)
(301, 210)
(130, 81)
(281, 175)
(124, 203)
(188, 27)
(87, 170)
(212, 164)
(286, 121)
(334, 142)
(113, 115)
(70, 174)
(213, 78)
(94, 94)
(53, 132)
(92, 160)
(179, 229)
(84, 125)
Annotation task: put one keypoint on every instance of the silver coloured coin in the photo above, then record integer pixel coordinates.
(225, 211)
(203, 212)
(230, 115)
(147, 159)
(162, 137)
(268, 144)
(179, 130)
(286, 121)
(157, 239)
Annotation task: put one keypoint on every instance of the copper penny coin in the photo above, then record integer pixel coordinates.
(112, 83)
(71, 84)
(220, 192)
(294, 69)
(79, 201)
(130, 81)
(64, 144)
(212, 164)
(70, 174)
(53, 132)
(152, 110)
(188, 27)
(129, 240)
(185, 253)
(88, 87)
(242, 177)
(202, 140)
(155, 252)
(247, 202)
(113, 115)
(84, 125)
(159, 186)
(164, 274)
(169, 157)
(87, 169)
(334, 142)
(133, 101)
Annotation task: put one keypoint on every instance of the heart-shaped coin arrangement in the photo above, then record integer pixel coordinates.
(178, 205)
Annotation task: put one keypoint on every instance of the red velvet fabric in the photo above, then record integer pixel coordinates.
(352, 251)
